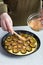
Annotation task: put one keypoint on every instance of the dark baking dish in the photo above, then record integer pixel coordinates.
(25, 32)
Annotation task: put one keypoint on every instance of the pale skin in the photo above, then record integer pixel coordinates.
(6, 22)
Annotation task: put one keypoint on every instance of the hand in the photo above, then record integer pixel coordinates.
(6, 22)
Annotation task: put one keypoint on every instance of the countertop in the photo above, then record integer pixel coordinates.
(33, 59)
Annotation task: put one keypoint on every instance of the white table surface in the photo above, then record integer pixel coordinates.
(33, 59)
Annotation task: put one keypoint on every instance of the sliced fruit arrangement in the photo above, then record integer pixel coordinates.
(16, 46)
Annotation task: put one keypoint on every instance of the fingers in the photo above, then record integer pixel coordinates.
(9, 19)
(3, 25)
(6, 23)
(9, 26)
